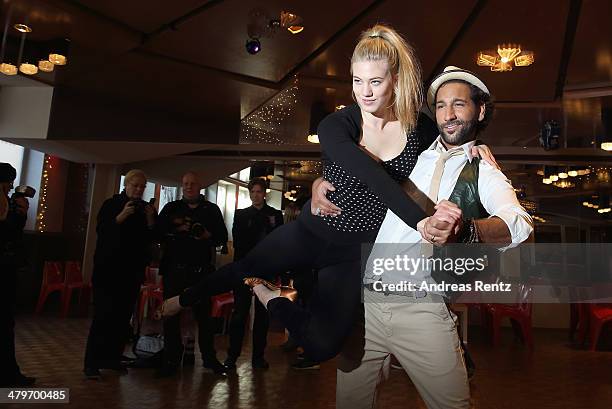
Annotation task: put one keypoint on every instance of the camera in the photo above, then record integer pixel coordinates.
(21, 191)
(197, 230)
(139, 204)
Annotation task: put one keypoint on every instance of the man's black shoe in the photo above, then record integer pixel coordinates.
(260, 363)
(230, 364)
(215, 366)
(92, 373)
(114, 365)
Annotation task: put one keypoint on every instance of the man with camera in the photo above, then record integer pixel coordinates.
(191, 229)
(13, 214)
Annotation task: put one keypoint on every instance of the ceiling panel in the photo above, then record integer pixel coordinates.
(429, 29)
(217, 38)
(537, 27)
(143, 15)
(591, 60)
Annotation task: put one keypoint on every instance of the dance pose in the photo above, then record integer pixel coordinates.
(383, 124)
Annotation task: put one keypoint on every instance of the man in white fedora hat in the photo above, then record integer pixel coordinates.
(416, 326)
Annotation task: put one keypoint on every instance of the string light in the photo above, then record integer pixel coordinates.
(264, 125)
(41, 223)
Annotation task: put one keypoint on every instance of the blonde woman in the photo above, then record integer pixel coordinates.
(125, 233)
(383, 123)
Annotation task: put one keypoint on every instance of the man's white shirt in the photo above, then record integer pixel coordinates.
(497, 196)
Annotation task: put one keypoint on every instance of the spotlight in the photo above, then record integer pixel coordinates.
(253, 46)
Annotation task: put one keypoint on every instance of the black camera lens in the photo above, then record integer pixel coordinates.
(253, 46)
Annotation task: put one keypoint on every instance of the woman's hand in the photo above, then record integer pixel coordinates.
(150, 213)
(484, 153)
(171, 307)
(127, 211)
(320, 205)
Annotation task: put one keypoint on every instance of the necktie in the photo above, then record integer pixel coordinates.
(434, 187)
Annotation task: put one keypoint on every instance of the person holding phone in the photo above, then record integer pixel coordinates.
(125, 233)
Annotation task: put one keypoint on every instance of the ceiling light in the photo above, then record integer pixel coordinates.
(45, 65)
(292, 22)
(554, 178)
(586, 204)
(295, 29)
(486, 58)
(562, 175)
(22, 28)
(546, 181)
(526, 58)
(572, 173)
(28, 69)
(606, 146)
(58, 59)
(313, 138)
(8, 69)
(506, 57)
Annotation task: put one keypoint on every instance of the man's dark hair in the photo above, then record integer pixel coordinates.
(257, 182)
(479, 97)
(7, 173)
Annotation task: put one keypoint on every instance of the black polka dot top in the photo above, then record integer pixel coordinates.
(365, 188)
(362, 210)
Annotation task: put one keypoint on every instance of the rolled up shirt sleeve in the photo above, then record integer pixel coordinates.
(499, 199)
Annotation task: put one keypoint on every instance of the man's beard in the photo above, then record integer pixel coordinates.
(466, 133)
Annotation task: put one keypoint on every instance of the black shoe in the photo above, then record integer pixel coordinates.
(92, 374)
(305, 363)
(189, 360)
(166, 371)
(260, 363)
(115, 366)
(215, 366)
(230, 364)
(126, 360)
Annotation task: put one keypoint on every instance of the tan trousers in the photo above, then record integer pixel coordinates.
(422, 335)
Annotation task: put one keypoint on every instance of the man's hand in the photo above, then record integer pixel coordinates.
(171, 307)
(320, 188)
(22, 205)
(127, 211)
(444, 225)
(205, 234)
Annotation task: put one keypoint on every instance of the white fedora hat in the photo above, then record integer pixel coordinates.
(452, 73)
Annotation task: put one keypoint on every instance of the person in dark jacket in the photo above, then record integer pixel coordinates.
(13, 214)
(251, 225)
(125, 226)
(191, 229)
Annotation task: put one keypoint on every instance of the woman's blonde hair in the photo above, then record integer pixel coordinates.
(384, 43)
(134, 173)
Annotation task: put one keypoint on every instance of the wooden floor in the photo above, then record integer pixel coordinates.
(555, 376)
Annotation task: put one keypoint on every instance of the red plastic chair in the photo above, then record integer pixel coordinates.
(151, 293)
(53, 280)
(519, 313)
(222, 306)
(599, 315)
(73, 280)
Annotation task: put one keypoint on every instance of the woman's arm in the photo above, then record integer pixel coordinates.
(338, 146)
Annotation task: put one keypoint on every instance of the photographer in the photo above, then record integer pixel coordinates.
(125, 232)
(13, 214)
(191, 228)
